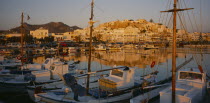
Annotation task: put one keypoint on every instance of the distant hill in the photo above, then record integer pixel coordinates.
(53, 27)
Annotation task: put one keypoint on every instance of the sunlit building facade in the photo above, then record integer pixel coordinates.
(39, 33)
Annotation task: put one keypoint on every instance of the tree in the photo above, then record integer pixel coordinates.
(41, 40)
(49, 39)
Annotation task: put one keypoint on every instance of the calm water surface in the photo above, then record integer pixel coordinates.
(138, 59)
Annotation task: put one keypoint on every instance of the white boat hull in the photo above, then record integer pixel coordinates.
(147, 96)
(45, 98)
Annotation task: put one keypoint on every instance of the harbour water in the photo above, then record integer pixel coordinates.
(139, 59)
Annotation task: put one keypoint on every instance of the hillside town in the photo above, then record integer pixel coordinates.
(126, 31)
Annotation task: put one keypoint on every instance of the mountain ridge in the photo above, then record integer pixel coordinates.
(53, 27)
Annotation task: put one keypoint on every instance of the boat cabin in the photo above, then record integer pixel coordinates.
(48, 62)
(191, 74)
(118, 79)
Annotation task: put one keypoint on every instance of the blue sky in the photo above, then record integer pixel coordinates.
(77, 12)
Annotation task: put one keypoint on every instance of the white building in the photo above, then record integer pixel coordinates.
(39, 33)
(57, 36)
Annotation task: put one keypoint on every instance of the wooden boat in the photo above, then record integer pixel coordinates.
(150, 46)
(190, 87)
(168, 97)
(116, 87)
(191, 82)
(17, 80)
(34, 90)
(9, 63)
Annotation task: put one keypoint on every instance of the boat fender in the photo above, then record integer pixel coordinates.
(153, 64)
(29, 77)
(18, 57)
(200, 68)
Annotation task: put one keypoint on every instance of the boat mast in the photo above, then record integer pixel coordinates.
(174, 10)
(21, 30)
(91, 22)
(174, 55)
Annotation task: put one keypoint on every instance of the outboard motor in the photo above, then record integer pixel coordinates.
(29, 77)
(72, 83)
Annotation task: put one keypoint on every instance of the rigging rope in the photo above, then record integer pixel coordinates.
(166, 19)
(189, 17)
(181, 22)
(195, 22)
(168, 24)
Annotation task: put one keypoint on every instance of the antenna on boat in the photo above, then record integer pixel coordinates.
(91, 22)
(21, 30)
(174, 10)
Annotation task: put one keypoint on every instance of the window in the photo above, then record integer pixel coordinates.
(117, 72)
(46, 61)
(190, 76)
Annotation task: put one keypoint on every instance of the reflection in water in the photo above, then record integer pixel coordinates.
(133, 58)
(139, 59)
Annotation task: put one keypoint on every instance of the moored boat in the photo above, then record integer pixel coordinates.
(190, 87)
(100, 47)
(17, 80)
(150, 46)
(116, 87)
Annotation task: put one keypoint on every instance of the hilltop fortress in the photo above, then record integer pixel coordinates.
(130, 31)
